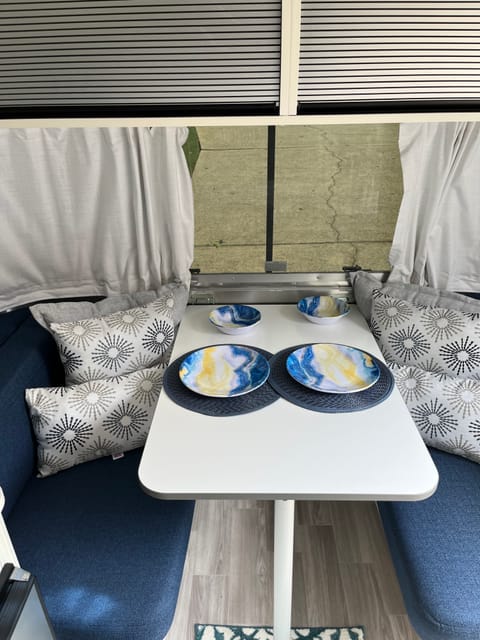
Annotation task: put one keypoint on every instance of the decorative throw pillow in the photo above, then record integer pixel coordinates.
(444, 341)
(445, 409)
(365, 283)
(174, 296)
(116, 344)
(94, 419)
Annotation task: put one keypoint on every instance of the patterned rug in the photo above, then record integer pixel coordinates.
(232, 632)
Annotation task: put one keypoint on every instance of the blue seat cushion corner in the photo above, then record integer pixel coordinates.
(435, 546)
(28, 358)
(10, 321)
(108, 558)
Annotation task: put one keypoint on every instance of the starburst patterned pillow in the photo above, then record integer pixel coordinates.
(446, 409)
(444, 341)
(115, 344)
(174, 296)
(364, 284)
(97, 418)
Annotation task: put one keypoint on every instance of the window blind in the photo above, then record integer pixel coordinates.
(389, 53)
(138, 53)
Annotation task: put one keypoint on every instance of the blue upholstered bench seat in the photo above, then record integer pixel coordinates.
(435, 546)
(28, 358)
(108, 558)
(10, 321)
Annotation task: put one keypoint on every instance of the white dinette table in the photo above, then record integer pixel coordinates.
(284, 452)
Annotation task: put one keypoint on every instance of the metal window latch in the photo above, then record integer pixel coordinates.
(275, 266)
(197, 297)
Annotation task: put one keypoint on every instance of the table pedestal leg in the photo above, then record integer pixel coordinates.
(283, 568)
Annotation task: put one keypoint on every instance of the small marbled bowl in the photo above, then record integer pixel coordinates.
(323, 309)
(235, 318)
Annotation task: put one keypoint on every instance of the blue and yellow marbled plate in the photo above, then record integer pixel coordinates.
(333, 368)
(235, 318)
(224, 371)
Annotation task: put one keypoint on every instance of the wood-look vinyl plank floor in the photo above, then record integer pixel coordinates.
(343, 574)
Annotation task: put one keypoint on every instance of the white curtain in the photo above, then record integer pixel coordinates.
(436, 241)
(92, 211)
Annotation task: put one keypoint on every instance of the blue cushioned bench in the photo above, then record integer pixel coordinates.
(11, 321)
(108, 558)
(435, 545)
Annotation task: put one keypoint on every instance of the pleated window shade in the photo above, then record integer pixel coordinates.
(131, 53)
(391, 53)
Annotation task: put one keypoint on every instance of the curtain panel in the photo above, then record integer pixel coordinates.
(438, 229)
(92, 212)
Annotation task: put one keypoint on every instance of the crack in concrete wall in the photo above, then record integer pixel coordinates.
(332, 185)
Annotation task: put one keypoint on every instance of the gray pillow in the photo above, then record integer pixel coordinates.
(444, 341)
(98, 418)
(446, 409)
(116, 344)
(175, 294)
(364, 284)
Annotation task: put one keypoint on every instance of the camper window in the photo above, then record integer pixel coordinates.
(300, 198)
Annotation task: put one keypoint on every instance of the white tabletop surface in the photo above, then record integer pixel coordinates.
(284, 451)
